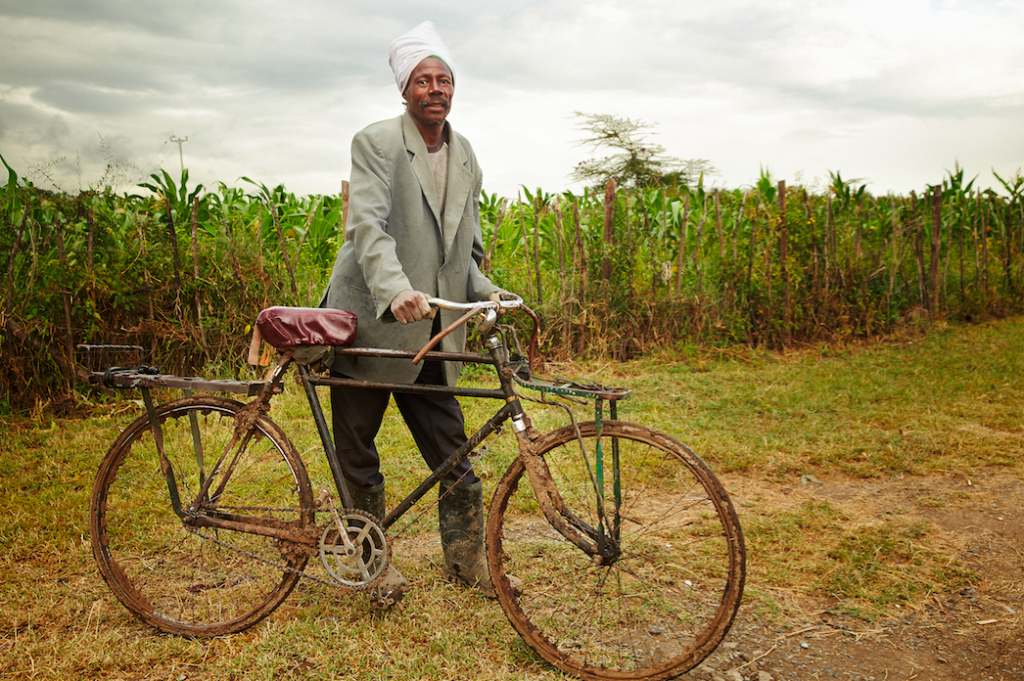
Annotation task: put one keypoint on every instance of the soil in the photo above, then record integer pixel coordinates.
(976, 633)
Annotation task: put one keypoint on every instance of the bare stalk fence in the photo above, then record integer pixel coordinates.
(773, 266)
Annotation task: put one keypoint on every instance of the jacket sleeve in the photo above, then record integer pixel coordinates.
(369, 209)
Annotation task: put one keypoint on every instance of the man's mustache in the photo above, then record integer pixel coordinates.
(443, 101)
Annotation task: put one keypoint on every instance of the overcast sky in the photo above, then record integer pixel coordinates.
(892, 91)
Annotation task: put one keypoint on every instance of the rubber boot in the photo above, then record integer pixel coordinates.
(394, 585)
(460, 511)
(369, 499)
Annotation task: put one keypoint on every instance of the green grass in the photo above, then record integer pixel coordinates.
(948, 402)
(942, 404)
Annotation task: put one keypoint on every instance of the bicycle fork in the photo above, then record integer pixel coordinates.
(601, 543)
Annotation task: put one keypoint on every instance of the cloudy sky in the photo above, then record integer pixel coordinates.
(892, 91)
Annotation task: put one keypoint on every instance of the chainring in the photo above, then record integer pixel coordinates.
(363, 561)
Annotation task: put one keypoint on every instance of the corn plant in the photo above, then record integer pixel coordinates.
(183, 270)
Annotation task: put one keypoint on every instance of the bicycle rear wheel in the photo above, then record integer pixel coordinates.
(198, 581)
(669, 598)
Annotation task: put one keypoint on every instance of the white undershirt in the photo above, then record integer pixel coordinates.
(439, 164)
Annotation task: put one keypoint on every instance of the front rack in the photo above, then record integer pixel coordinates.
(568, 387)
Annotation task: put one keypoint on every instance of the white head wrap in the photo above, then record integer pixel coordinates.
(408, 50)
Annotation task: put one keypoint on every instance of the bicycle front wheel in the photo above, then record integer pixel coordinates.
(669, 597)
(198, 581)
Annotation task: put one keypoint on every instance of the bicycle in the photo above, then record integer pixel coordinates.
(629, 551)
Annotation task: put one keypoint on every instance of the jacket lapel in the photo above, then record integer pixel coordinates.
(460, 184)
(421, 165)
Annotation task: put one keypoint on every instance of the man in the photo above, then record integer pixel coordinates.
(413, 231)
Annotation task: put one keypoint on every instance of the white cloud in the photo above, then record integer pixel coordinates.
(891, 90)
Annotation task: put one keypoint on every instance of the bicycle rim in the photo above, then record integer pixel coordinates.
(669, 598)
(205, 582)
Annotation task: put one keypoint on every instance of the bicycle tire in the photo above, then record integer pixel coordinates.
(671, 596)
(213, 583)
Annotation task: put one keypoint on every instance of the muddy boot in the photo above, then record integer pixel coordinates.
(369, 499)
(394, 585)
(460, 511)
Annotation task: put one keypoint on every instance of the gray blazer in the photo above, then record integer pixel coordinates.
(396, 241)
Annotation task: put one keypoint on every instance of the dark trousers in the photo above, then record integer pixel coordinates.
(436, 423)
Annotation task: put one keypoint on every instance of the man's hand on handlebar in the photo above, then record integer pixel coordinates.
(412, 306)
(488, 310)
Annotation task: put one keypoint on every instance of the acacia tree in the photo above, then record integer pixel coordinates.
(637, 162)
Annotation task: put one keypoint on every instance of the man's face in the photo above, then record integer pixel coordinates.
(429, 92)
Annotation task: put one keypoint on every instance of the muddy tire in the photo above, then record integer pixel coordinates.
(672, 594)
(215, 581)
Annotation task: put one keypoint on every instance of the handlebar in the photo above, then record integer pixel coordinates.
(488, 308)
(509, 301)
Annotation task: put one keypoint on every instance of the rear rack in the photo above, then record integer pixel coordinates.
(147, 377)
(142, 377)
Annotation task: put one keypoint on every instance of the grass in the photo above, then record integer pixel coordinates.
(872, 568)
(947, 403)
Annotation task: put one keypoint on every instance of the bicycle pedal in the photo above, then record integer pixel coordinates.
(385, 601)
(390, 591)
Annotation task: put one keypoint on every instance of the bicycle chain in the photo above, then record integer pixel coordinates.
(265, 561)
(271, 509)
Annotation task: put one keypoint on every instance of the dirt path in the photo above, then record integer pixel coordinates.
(976, 633)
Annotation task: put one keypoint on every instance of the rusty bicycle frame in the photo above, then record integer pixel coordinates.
(657, 556)
(601, 543)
